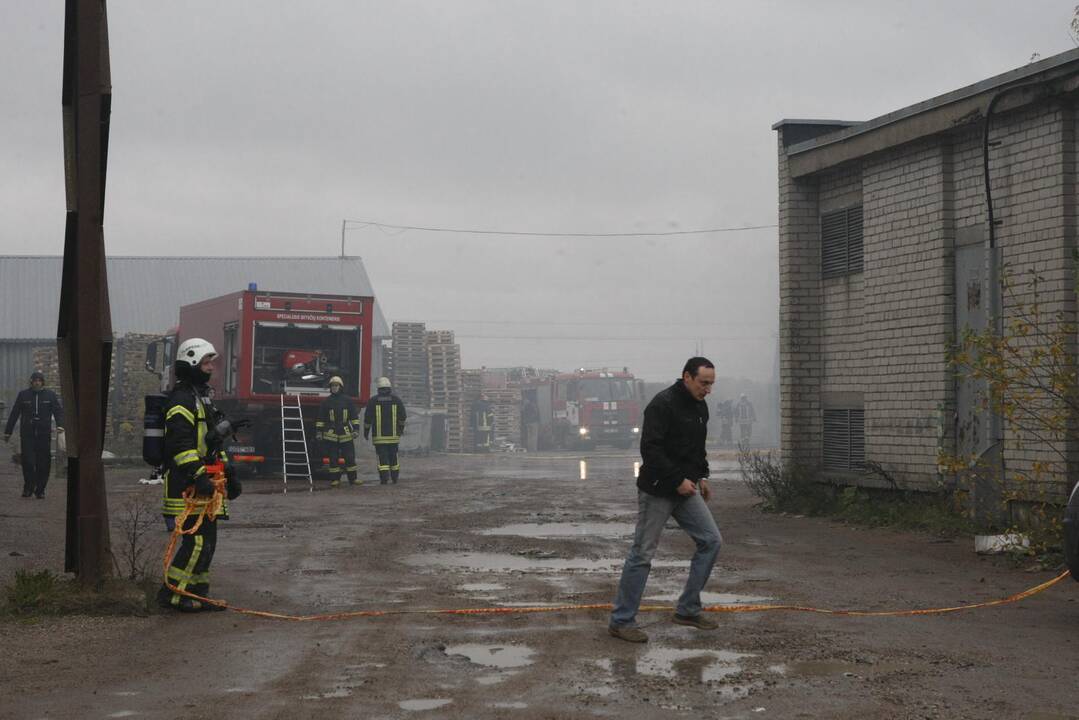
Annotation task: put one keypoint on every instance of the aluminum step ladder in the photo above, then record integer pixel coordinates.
(295, 462)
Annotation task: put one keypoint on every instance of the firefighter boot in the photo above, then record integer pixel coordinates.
(394, 474)
(352, 478)
(383, 477)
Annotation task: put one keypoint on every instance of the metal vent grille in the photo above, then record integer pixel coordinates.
(841, 242)
(844, 439)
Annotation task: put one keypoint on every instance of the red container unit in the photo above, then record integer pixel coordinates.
(275, 343)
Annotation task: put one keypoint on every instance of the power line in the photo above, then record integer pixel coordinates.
(590, 323)
(608, 338)
(521, 233)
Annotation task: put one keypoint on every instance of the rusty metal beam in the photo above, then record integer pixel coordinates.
(84, 333)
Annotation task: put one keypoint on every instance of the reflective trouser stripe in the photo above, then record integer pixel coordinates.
(188, 570)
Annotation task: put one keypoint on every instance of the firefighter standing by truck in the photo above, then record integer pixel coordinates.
(34, 410)
(194, 437)
(385, 415)
(336, 428)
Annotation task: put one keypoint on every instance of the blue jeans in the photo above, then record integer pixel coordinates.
(692, 515)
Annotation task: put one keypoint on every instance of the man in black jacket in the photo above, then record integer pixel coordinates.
(672, 483)
(34, 410)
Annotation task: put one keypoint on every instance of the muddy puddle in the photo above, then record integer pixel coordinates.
(564, 530)
(424, 704)
(480, 587)
(833, 668)
(691, 663)
(494, 656)
(505, 562)
(712, 598)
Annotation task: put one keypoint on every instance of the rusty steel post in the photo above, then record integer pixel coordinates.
(84, 333)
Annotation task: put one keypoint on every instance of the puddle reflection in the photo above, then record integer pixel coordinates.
(496, 656)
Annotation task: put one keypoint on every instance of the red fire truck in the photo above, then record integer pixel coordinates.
(585, 408)
(274, 344)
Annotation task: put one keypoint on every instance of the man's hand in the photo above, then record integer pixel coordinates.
(706, 492)
(687, 488)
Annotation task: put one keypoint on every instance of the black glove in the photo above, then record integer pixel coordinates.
(204, 485)
(233, 486)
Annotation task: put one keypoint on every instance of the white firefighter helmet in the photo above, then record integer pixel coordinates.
(194, 350)
(384, 382)
(336, 380)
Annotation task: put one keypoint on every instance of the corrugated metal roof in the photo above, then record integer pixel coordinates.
(145, 293)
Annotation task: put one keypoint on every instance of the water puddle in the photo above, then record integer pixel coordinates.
(713, 598)
(833, 668)
(504, 562)
(564, 530)
(705, 665)
(496, 656)
(424, 704)
(329, 695)
(123, 714)
(480, 587)
(495, 679)
(510, 705)
(126, 693)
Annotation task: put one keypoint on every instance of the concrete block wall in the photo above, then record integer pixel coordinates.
(908, 298)
(885, 333)
(799, 316)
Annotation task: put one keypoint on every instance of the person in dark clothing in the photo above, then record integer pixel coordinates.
(337, 427)
(35, 409)
(672, 483)
(195, 432)
(385, 415)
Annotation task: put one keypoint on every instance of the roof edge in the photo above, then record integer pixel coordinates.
(1048, 65)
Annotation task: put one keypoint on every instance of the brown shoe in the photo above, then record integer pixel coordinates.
(698, 621)
(627, 633)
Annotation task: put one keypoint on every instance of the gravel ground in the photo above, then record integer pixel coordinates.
(516, 530)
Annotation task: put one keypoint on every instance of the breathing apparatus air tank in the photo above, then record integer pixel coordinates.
(153, 430)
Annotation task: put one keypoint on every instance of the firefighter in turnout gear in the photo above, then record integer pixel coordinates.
(194, 437)
(34, 410)
(337, 427)
(386, 416)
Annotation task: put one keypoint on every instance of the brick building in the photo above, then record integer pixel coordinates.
(885, 254)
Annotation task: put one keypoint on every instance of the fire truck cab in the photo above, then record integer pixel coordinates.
(588, 408)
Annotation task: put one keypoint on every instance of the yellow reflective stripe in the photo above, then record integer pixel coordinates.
(186, 456)
(200, 428)
(395, 419)
(180, 410)
(378, 420)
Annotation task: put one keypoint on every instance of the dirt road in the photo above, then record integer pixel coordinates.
(466, 531)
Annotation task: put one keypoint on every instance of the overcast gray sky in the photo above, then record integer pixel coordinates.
(244, 128)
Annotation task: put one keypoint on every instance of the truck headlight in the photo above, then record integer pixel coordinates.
(636, 430)
(583, 431)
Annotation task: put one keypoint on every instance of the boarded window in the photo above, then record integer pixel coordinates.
(841, 242)
(844, 439)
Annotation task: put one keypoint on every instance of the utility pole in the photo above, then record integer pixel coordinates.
(84, 332)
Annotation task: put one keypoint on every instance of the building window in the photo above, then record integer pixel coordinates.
(844, 439)
(841, 242)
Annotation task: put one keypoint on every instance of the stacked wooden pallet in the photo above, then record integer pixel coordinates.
(444, 384)
(129, 383)
(409, 363)
(506, 408)
(471, 391)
